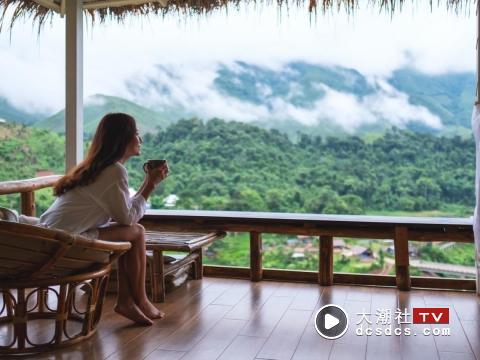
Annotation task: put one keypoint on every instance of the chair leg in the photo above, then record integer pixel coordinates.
(158, 280)
(9, 304)
(198, 265)
(41, 299)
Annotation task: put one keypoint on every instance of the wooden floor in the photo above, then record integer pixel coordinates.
(236, 319)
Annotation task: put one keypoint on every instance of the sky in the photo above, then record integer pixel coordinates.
(374, 43)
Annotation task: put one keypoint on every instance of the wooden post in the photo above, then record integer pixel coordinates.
(28, 203)
(74, 83)
(401, 258)
(256, 269)
(325, 260)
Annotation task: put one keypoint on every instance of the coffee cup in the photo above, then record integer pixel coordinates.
(153, 164)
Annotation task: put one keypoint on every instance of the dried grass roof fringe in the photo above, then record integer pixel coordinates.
(41, 14)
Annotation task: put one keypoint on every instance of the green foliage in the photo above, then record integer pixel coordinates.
(233, 250)
(460, 254)
(23, 152)
(233, 166)
(221, 165)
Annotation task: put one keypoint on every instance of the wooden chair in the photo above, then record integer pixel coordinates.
(40, 271)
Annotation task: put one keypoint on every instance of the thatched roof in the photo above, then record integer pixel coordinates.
(42, 10)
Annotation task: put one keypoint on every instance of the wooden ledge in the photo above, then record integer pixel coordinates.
(204, 215)
(358, 226)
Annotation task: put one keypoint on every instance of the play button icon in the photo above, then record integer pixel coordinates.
(331, 321)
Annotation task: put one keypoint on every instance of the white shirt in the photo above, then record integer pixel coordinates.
(92, 206)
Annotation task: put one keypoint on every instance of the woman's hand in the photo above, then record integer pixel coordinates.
(157, 175)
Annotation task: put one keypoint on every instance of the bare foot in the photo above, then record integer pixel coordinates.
(150, 310)
(132, 312)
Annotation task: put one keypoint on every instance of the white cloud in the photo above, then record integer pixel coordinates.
(32, 67)
(192, 88)
(394, 106)
(95, 101)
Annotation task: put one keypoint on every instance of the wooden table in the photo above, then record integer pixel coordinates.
(159, 240)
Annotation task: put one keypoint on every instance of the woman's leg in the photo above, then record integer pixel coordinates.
(136, 263)
(125, 301)
(133, 267)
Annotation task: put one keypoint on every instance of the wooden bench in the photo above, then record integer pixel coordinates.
(191, 243)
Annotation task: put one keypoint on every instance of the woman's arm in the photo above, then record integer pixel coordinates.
(120, 206)
(146, 188)
(117, 202)
(151, 180)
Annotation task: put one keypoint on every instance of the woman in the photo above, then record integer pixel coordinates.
(95, 192)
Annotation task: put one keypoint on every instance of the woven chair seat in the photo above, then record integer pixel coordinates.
(40, 272)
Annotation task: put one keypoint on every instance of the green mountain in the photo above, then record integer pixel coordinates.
(298, 83)
(13, 114)
(449, 96)
(290, 98)
(148, 121)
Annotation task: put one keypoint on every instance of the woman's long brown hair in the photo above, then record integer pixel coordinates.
(114, 133)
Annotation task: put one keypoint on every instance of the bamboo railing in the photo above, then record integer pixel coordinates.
(27, 188)
(400, 229)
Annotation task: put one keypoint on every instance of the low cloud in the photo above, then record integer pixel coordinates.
(192, 88)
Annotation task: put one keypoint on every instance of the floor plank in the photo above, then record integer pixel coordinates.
(195, 329)
(251, 302)
(312, 346)
(345, 351)
(165, 355)
(306, 298)
(284, 339)
(410, 345)
(267, 317)
(231, 319)
(456, 356)
(243, 348)
(378, 347)
(216, 341)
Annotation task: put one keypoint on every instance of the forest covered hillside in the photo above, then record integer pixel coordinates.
(221, 165)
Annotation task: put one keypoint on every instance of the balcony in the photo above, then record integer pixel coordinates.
(257, 313)
(217, 318)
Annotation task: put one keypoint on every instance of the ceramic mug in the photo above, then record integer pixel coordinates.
(152, 164)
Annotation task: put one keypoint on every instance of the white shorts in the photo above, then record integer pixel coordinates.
(90, 234)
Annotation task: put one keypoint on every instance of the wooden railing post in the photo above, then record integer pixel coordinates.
(325, 260)
(256, 269)
(28, 203)
(401, 258)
